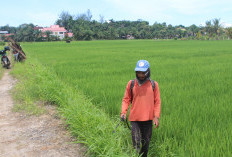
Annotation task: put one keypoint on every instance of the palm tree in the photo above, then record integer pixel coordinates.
(194, 30)
(37, 35)
(229, 32)
(48, 34)
(216, 27)
(209, 28)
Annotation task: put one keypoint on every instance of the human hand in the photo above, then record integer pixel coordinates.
(123, 116)
(156, 122)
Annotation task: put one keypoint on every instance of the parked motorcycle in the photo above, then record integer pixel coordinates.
(5, 62)
(4, 59)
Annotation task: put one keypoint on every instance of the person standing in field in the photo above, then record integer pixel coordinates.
(144, 96)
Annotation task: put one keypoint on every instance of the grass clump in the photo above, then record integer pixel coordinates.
(29, 108)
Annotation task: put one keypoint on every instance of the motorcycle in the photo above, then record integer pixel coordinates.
(5, 62)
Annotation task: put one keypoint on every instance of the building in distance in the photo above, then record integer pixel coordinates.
(55, 30)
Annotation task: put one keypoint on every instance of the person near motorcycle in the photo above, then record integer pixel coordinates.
(145, 107)
(16, 55)
(3, 52)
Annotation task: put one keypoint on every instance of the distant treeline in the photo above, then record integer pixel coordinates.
(84, 28)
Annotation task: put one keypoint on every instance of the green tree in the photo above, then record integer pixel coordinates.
(194, 30)
(38, 35)
(229, 32)
(216, 27)
(199, 35)
(209, 28)
(25, 32)
(64, 20)
(48, 35)
(8, 28)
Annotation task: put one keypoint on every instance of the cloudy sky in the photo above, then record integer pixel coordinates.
(175, 12)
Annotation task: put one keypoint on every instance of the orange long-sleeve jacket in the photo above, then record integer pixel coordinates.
(146, 104)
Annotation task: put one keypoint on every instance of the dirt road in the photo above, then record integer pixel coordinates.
(31, 136)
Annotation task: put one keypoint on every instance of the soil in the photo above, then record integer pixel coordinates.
(32, 136)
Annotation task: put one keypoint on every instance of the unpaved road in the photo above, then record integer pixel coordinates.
(31, 136)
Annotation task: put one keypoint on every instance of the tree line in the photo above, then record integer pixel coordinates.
(84, 28)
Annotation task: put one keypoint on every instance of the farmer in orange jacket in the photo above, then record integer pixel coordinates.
(145, 102)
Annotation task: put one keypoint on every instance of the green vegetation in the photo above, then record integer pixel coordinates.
(92, 126)
(1, 72)
(87, 81)
(30, 108)
(26, 99)
(1, 69)
(2, 43)
(84, 28)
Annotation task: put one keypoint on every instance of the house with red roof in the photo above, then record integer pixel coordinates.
(9, 34)
(4, 34)
(38, 28)
(70, 35)
(57, 31)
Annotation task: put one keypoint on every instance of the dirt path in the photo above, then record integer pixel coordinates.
(31, 136)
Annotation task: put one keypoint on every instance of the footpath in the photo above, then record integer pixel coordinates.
(32, 136)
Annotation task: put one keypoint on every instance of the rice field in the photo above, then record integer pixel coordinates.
(194, 79)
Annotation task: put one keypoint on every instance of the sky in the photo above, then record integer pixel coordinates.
(175, 12)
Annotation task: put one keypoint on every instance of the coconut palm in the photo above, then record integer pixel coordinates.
(229, 32)
(209, 28)
(47, 35)
(194, 30)
(216, 27)
(37, 35)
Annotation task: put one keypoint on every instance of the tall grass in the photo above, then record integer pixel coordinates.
(194, 79)
(90, 125)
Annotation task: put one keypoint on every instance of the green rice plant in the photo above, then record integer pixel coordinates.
(194, 79)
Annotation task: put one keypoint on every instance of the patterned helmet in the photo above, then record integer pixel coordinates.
(142, 65)
(7, 48)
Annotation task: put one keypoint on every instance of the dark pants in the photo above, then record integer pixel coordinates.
(141, 136)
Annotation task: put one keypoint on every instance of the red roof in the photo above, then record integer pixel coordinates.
(38, 28)
(54, 28)
(70, 34)
(7, 35)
